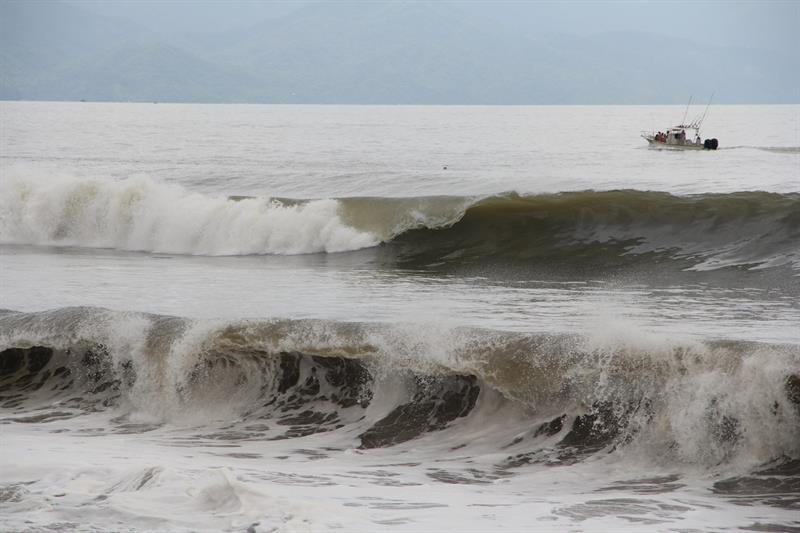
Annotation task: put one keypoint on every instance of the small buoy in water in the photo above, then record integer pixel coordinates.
(444, 167)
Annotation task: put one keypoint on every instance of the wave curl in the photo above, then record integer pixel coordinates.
(598, 228)
(563, 396)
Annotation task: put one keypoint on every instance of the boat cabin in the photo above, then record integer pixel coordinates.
(679, 135)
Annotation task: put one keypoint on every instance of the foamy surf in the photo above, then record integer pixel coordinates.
(141, 214)
(345, 403)
(689, 402)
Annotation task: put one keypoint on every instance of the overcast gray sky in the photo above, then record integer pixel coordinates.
(770, 24)
(443, 52)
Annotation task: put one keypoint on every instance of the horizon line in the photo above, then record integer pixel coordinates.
(383, 104)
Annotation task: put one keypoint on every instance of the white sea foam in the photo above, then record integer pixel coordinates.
(143, 214)
(682, 401)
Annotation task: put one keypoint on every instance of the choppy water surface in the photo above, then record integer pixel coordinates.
(294, 318)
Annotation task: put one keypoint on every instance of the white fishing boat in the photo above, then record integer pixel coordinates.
(685, 136)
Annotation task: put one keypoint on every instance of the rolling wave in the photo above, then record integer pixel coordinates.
(563, 396)
(592, 230)
(605, 228)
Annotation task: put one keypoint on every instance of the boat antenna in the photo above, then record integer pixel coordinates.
(683, 122)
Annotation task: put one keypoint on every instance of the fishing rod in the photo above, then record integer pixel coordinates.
(706, 111)
(683, 122)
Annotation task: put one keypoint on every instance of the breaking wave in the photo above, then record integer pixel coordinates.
(606, 228)
(141, 214)
(547, 399)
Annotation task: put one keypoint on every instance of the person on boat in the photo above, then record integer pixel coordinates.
(697, 140)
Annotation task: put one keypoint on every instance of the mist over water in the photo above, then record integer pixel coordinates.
(261, 318)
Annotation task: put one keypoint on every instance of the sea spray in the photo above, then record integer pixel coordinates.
(702, 403)
(141, 214)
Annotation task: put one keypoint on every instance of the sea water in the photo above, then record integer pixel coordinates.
(306, 318)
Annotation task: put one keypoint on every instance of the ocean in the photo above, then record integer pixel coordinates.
(260, 318)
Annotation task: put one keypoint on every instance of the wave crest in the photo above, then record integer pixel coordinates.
(690, 402)
(140, 214)
(565, 230)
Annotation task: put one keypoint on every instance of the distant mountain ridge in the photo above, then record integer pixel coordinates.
(369, 53)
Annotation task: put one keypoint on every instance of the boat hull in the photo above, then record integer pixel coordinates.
(665, 146)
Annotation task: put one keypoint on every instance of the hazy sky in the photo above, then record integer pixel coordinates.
(770, 24)
(401, 51)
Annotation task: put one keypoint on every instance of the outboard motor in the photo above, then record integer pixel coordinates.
(710, 144)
